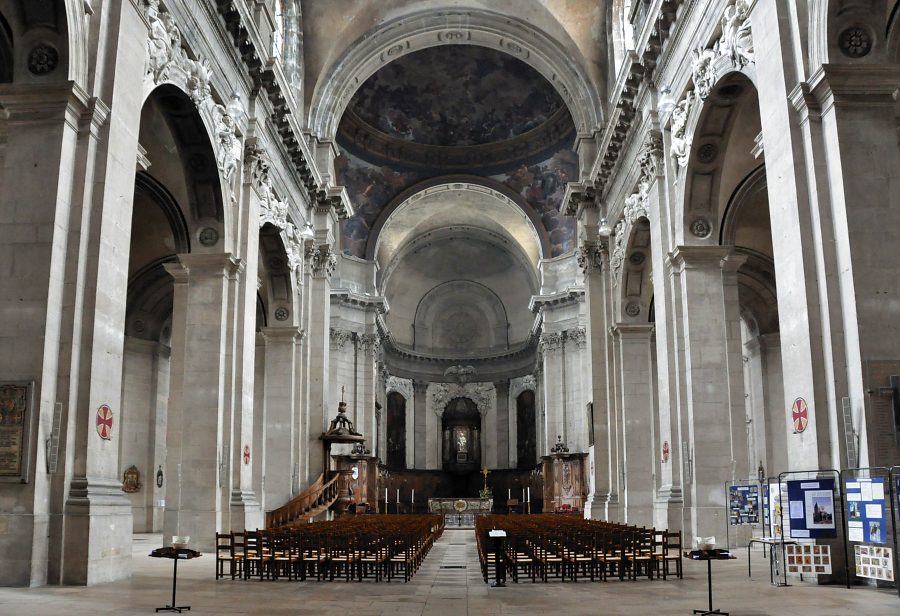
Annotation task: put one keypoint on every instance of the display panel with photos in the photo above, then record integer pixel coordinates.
(743, 505)
(874, 561)
(808, 559)
(867, 510)
(811, 508)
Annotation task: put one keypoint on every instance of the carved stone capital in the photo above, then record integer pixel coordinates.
(370, 344)
(551, 342)
(590, 257)
(322, 261)
(339, 338)
(577, 335)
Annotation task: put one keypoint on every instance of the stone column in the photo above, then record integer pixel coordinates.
(805, 248)
(281, 441)
(321, 262)
(637, 426)
(554, 388)
(420, 431)
(576, 402)
(503, 438)
(259, 421)
(593, 258)
(776, 458)
(710, 314)
(367, 355)
(197, 441)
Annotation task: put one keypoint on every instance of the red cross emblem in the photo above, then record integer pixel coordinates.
(665, 451)
(246, 454)
(104, 422)
(800, 415)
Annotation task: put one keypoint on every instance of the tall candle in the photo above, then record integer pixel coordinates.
(529, 494)
(412, 497)
(385, 500)
(398, 496)
(523, 493)
(509, 494)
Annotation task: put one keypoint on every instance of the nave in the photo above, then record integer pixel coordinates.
(441, 587)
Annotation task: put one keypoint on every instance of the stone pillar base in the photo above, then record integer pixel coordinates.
(98, 533)
(246, 512)
(668, 510)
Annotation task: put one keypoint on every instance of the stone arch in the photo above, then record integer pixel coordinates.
(459, 182)
(459, 314)
(276, 274)
(635, 288)
(202, 192)
(40, 37)
(841, 31)
(712, 124)
(398, 37)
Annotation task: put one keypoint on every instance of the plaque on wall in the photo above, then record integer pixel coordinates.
(15, 423)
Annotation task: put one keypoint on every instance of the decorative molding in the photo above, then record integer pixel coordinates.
(578, 335)
(461, 374)
(404, 387)
(522, 384)
(551, 342)
(370, 344)
(322, 261)
(566, 297)
(735, 44)
(680, 149)
(590, 257)
(483, 395)
(617, 259)
(339, 338)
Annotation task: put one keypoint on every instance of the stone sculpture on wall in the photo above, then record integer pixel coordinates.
(681, 141)
(617, 259)
(482, 394)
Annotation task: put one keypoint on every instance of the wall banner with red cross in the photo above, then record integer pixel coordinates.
(665, 451)
(800, 415)
(104, 422)
(246, 454)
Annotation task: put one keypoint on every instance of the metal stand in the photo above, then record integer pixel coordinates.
(709, 586)
(173, 607)
(499, 564)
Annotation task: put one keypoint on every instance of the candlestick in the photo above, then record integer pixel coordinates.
(529, 494)
(509, 494)
(412, 498)
(398, 496)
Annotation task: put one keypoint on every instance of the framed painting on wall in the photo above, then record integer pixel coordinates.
(16, 399)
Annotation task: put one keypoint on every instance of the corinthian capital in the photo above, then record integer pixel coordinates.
(322, 261)
(590, 257)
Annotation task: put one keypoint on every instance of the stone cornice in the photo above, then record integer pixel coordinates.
(359, 301)
(267, 77)
(289, 333)
(188, 265)
(859, 85)
(570, 296)
(687, 257)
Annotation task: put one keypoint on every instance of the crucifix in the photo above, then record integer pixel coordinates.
(485, 472)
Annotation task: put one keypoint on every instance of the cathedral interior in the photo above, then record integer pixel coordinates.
(605, 257)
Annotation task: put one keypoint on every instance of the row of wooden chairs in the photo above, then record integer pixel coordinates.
(541, 547)
(350, 547)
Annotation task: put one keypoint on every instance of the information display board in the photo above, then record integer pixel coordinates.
(874, 562)
(743, 505)
(811, 508)
(866, 510)
(773, 510)
(811, 559)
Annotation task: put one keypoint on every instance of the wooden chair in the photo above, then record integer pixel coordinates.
(671, 553)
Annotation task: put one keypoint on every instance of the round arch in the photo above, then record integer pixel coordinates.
(711, 123)
(431, 28)
(472, 183)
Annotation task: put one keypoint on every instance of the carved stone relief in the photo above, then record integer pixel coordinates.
(339, 338)
(322, 261)
(551, 342)
(617, 259)
(370, 344)
(681, 140)
(482, 394)
(590, 257)
(404, 387)
(520, 384)
(577, 335)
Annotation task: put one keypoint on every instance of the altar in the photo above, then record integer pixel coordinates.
(460, 512)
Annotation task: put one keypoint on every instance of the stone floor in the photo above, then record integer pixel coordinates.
(442, 586)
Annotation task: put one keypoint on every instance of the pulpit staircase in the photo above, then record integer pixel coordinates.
(308, 505)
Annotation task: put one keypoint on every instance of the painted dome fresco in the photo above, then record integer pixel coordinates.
(459, 110)
(456, 96)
